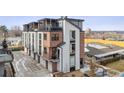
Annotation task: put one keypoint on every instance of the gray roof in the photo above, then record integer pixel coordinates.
(104, 52)
(61, 44)
(70, 19)
(65, 17)
(74, 24)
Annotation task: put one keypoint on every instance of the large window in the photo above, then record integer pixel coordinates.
(45, 36)
(55, 37)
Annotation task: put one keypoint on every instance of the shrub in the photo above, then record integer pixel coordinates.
(17, 48)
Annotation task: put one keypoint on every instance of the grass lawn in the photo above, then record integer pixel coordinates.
(117, 65)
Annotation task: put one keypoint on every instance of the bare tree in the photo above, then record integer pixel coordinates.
(3, 31)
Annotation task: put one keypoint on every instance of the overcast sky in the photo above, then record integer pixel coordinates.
(93, 22)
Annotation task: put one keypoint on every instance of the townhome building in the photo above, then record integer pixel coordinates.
(57, 44)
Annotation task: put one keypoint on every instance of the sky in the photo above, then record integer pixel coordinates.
(95, 23)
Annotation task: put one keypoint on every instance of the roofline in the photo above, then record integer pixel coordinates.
(29, 23)
(109, 53)
(73, 24)
(32, 22)
(47, 19)
(71, 19)
(25, 24)
(76, 19)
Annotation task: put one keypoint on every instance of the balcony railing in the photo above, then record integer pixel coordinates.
(48, 28)
(55, 28)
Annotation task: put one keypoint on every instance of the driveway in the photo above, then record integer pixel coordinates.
(25, 66)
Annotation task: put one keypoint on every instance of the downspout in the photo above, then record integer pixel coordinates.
(61, 58)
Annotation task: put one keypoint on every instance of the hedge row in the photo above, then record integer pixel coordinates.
(17, 48)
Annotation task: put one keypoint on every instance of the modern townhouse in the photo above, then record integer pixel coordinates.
(58, 44)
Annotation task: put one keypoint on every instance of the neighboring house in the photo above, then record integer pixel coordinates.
(14, 41)
(58, 44)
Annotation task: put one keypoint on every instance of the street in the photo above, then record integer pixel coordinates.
(25, 66)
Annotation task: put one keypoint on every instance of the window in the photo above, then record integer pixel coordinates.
(58, 53)
(55, 37)
(40, 46)
(45, 36)
(29, 41)
(39, 42)
(45, 50)
(73, 34)
(32, 41)
(40, 50)
(25, 38)
(39, 36)
(73, 48)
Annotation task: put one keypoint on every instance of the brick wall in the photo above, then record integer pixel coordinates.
(49, 44)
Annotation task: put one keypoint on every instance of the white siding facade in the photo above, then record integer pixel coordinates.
(65, 57)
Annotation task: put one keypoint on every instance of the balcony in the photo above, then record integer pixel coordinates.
(48, 28)
(55, 28)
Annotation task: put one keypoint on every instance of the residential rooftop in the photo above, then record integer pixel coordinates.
(103, 51)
